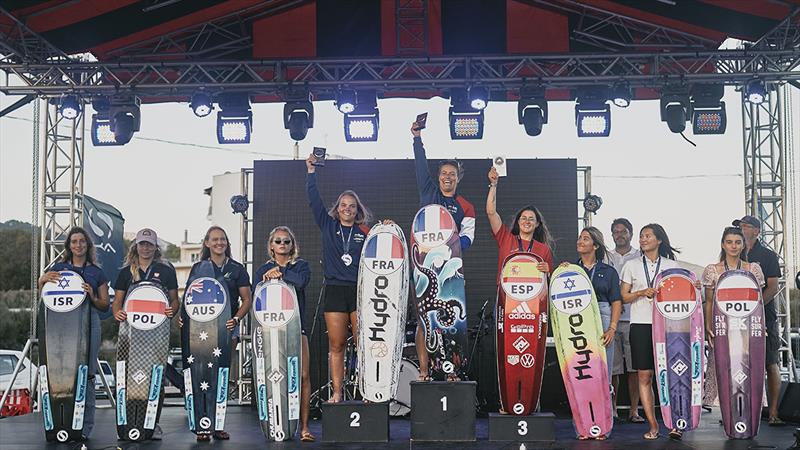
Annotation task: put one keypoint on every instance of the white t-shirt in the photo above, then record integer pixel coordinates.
(618, 261)
(633, 274)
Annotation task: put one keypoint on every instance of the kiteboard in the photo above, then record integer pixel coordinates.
(382, 304)
(678, 348)
(439, 289)
(63, 317)
(739, 352)
(142, 351)
(206, 349)
(521, 332)
(578, 331)
(277, 343)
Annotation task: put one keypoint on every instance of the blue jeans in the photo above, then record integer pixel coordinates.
(605, 319)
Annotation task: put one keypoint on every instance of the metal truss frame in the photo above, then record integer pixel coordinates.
(764, 137)
(409, 74)
(21, 44)
(61, 176)
(411, 27)
(245, 361)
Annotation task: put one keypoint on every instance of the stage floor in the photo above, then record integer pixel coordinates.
(25, 432)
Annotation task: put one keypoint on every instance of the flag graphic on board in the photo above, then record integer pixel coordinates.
(274, 304)
(384, 246)
(522, 272)
(434, 218)
(205, 291)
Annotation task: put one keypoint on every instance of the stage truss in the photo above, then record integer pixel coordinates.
(631, 50)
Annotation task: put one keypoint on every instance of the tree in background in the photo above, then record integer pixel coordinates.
(15, 255)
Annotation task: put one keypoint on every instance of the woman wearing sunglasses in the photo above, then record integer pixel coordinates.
(285, 264)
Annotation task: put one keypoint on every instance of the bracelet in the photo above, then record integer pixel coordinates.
(491, 185)
(237, 319)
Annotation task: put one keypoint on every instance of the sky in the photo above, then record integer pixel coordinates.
(642, 171)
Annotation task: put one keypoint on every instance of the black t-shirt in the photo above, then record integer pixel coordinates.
(768, 261)
(158, 272)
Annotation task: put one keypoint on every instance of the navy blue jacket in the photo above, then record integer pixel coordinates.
(333, 237)
(429, 194)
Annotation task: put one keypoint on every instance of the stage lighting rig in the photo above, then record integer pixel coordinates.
(478, 97)
(240, 204)
(755, 91)
(532, 109)
(465, 121)
(676, 108)
(592, 203)
(592, 113)
(362, 124)
(116, 120)
(234, 119)
(298, 113)
(201, 104)
(621, 94)
(69, 107)
(346, 100)
(708, 109)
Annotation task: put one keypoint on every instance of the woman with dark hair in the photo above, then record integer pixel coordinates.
(638, 290)
(605, 281)
(79, 257)
(731, 256)
(344, 230)
(528, 233)
(285, 264)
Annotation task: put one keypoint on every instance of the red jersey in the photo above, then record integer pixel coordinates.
(508, 243)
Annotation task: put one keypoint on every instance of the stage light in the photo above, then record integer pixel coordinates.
(240, 204)
(708, 109)
(298, 113)
(592, 203)
(621, 95)
(362, 124)
(755, 92)
(592, 113)
(532, 110)
(346, 101)
(69, 107)
(115, 121)
(675, 107)
(201, 104)
(465, 122)
(234, 119)
(478, 97)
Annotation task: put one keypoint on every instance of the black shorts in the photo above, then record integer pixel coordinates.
(642, 346)
(773, 344)
(340, 298)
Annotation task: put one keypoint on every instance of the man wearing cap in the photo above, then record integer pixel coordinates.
(768, 260)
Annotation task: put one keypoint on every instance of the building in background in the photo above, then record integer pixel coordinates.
(224, 187)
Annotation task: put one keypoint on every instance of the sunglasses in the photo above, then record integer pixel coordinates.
(282, 241)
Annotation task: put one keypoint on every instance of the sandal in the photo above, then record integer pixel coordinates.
(424, 378)
(675, 434)
(203, 437)
(636, 419)
(651, 436)
(221, 435)
(306, 436)
(776, 422)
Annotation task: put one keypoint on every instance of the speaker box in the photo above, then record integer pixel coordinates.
(789, 406)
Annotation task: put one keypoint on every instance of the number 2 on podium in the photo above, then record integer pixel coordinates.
(356, 417)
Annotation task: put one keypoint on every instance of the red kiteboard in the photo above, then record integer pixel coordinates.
(521, 332)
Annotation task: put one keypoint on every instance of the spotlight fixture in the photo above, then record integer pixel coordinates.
(298, 113)
(532, 110)
(478, 97)
(675, 107)
(708, 109)
(621, 94)
(592, 113)
(234, 119)
(592, 203)
(755, 91)
(115, 121)
(361, 125)
(465, 121)
(346, 101)
(240, 204)
(201, 104)
(69, 107)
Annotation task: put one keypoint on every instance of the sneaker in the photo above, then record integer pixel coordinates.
(157, 433)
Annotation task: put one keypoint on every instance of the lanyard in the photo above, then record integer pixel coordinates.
(345, 244)
(738, 265)
(519, 244)
(147, 274)
(591, 272)
(647, 271)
